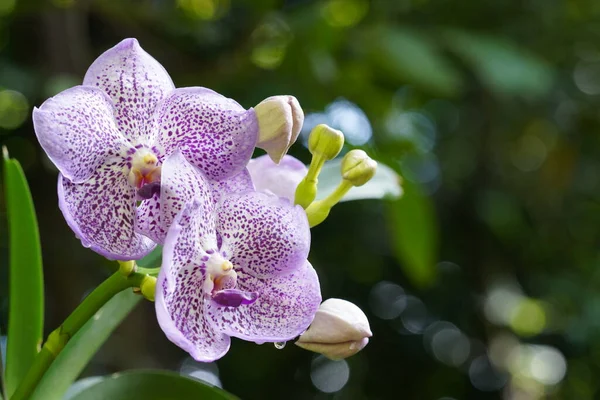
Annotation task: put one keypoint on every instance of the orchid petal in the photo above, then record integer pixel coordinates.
(179, 290)
(101, 212)
(280, 179)
(239, 183)
(181, 183)
(213, 132)
(179, 311)
(285, 307)
(262, 234)
(135, 82)
(77, 129)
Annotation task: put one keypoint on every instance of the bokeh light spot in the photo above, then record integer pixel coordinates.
(528, 317)
(268, 56)
(345, 13)
(528, 153)
(450, 346)
(548, 365)
(204, 9)
(387, 300)
(14, 109)
(414, 317)
(484, 376)
(329, 376)
(587, 77)
(350, 119)
(412, 127)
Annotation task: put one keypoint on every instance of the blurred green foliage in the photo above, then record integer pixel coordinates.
(489, 110)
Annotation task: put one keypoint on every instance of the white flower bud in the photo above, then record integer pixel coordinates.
(280, 120)
(340, 329)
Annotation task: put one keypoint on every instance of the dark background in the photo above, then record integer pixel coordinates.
(480, 283)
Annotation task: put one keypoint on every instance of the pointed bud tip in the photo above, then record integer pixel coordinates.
(358, 168)
(280, 119)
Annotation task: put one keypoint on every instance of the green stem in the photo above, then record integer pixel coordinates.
(57, 340)
(148, 271)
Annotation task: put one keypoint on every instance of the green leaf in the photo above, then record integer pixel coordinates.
(412, 58)
(502, 66)
(414, 233)
(82, 347)
(385, 183)
(81, 385)
(151, 385)
(26, 282)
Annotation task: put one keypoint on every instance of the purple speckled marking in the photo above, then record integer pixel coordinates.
(285, 307)
(181, 182)
(275, 293)
(128, 106)
(135, 82)
(239, 183)
(77, 130)
(101, 211)
(213, 132)
(263, 234)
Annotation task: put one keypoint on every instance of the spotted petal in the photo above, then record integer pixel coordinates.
(179, 290)
(77, 130)
(135, 82)
(181, 183)
(101, 212)
(280, 179)
(263, 234)
(179, 311)
(214, 133)
(285, 307)
(239, 183)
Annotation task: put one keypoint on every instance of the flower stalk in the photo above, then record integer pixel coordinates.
(124, 278)
(357, 169)
(324, 143)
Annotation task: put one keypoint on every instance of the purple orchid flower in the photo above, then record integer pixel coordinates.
(234, 264)
(109, 137)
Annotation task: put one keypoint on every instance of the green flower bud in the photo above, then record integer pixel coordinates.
(127, 267)
(358, 168)
(325, 141)
(148, 287)
(280, 120)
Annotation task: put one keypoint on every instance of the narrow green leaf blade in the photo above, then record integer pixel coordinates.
(26, 282)
(82, 347)
(414, 228)
(385, 183)
(151, 385)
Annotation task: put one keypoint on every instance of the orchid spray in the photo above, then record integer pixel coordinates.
(144, 164)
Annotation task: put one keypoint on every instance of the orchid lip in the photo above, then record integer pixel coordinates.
(234, 297)
(148, 190)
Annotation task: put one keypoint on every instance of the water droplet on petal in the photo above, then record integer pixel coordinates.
(279, 345)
